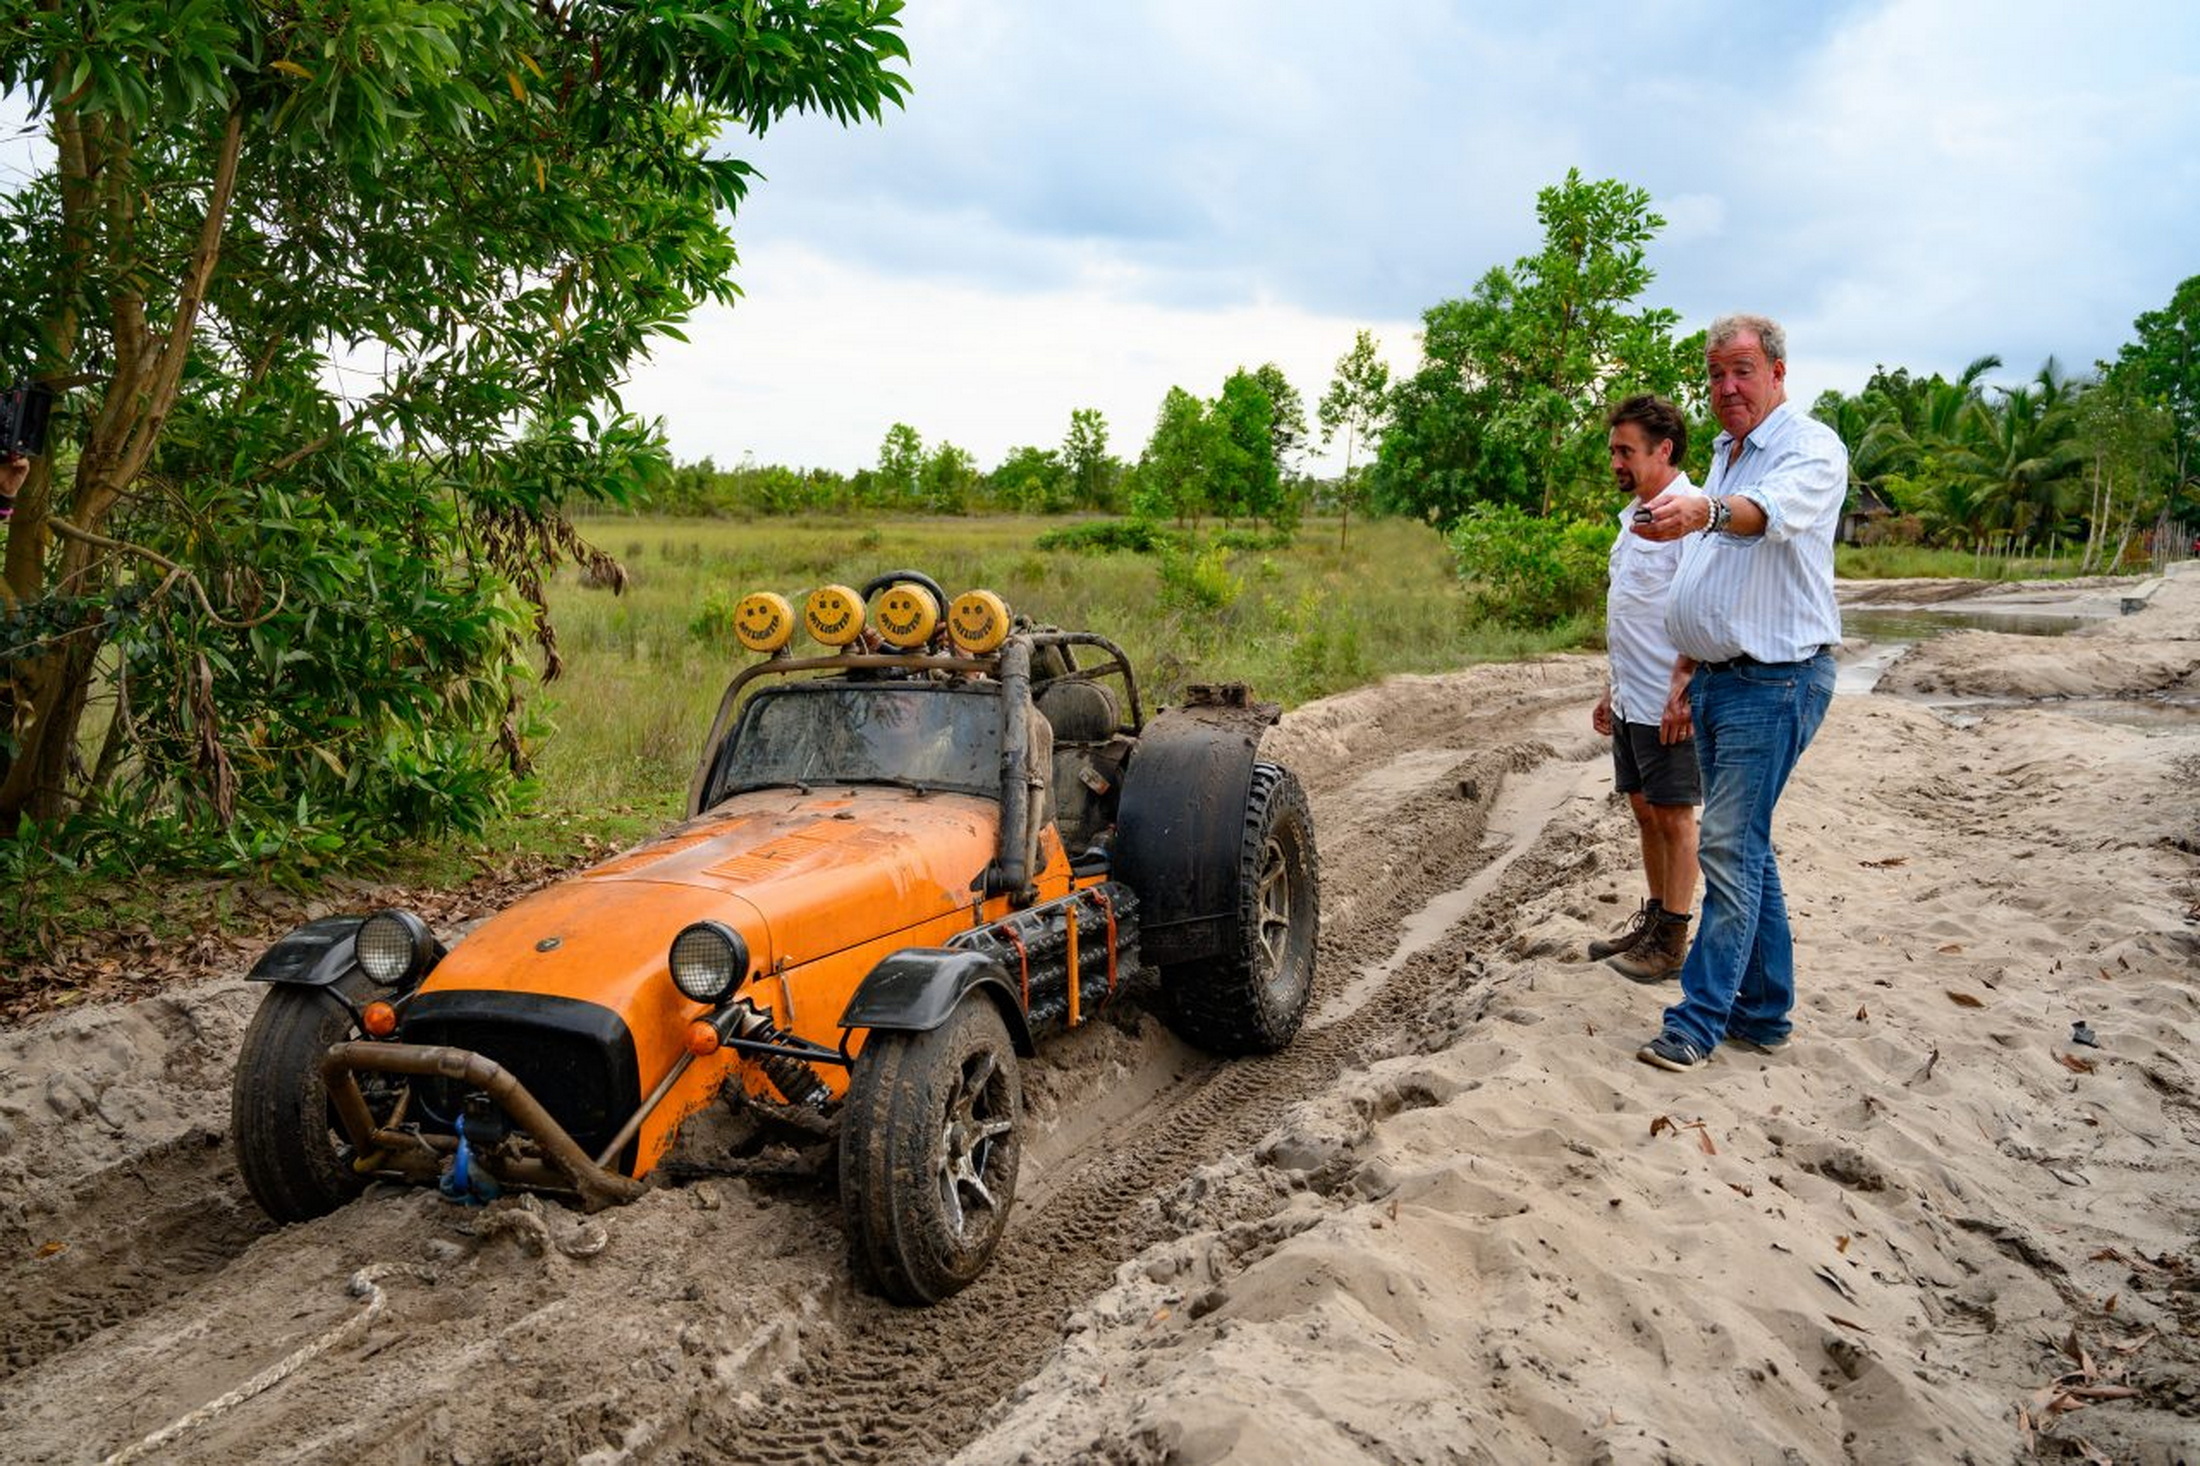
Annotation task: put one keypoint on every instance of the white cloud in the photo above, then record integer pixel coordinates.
(823, 356)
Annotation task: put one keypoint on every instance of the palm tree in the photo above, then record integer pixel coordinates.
(2026, 465)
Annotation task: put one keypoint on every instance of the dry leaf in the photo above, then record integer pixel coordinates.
(1861, 1014)
(1888, 863)
(2110, 1305)
(1849, 1323)
(1662, 1124)
(1738, 1186)
(2105, 977)
(1965, 1000)
(1841, 1244)
(2075, 1064)
(53, 1247)
(1951, 947)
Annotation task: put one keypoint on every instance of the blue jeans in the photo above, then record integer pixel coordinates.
(1753, 721)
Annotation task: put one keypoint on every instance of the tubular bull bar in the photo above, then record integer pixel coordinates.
(419, 1157)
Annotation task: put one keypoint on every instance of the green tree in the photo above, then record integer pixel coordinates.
(948, 480)
(1031, 481)
(1174, 469)
(1517, 375)
(1241, 465)
(900, 465)
(1085, 451)
(1356, 403)
(2163, 365)
(340, 296)
(1287, 425)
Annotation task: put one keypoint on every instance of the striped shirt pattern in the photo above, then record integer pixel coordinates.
(1767, 596)
(1640, 573)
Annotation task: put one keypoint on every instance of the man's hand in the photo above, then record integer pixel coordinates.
(1600, 716)
(1677, 724)
(1671, 515)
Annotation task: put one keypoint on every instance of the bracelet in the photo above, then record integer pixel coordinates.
(1720, 517)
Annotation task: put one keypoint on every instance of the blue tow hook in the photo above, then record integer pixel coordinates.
(464, 1182)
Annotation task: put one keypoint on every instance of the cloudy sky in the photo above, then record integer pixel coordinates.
(1087, 201)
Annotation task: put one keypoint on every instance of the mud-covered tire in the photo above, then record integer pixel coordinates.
(1251, 997)
(294, 1161)
(930, 1140)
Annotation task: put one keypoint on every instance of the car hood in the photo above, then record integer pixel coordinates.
(800, 876)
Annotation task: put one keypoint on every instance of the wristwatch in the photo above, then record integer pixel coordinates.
(1720, 517)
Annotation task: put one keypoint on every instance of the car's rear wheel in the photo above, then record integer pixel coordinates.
(294, 1159)
(930, 1141)
(1251, 997)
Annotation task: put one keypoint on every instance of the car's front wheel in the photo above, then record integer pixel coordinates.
(930, 1140)
(294, 1159)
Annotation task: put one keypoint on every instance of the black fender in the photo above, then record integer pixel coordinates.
(1182, 819)
(313, 956)
(915, 989)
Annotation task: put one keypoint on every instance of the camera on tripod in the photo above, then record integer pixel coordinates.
(23, 413)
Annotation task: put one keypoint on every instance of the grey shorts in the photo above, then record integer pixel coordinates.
(1663, 773)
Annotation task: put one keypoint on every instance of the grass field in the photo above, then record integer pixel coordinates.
(643, 670)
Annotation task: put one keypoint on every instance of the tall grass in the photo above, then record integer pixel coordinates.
(642, 677)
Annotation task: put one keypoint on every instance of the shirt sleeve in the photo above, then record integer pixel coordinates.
(1803, 486)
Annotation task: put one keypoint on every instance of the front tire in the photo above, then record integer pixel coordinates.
(1251, 997)
(930, 1142)
(294, 1159)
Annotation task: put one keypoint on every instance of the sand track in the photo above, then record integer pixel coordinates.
(1437, 1227)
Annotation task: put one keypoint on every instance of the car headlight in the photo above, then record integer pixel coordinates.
(709, 960)
(393, 947)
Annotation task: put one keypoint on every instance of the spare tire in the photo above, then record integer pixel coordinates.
(1251, 997)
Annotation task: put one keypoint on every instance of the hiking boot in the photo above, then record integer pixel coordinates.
(1626, 937)
(1671, 1051)
(1758, 1045)
(1659, 954)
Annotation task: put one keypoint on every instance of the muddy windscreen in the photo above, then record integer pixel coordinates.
(931, 737)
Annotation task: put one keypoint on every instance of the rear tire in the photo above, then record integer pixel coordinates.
(290, 1151)
(930, 1141)
(1251, 998)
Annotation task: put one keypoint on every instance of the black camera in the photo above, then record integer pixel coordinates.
(23, 413)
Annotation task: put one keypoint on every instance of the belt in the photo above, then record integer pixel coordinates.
(1746, 660)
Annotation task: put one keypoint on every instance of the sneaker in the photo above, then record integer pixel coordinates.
(1660, 953)
(1671, 1051)
(1758, 1046)
(1626, 937)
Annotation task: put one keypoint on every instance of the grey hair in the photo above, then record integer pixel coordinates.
(1764, 328)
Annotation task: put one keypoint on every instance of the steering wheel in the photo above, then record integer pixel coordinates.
(878, 583)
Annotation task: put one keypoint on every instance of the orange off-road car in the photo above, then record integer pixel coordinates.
(908, 858)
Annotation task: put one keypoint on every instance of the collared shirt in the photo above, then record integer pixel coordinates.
(1767, 596)
(1640, 572)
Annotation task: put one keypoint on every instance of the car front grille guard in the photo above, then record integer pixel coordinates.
(563, 1165)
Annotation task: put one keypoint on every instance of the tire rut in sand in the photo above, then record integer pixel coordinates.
(885, 1384)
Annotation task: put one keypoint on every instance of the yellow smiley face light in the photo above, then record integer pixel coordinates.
(977, 622)
(833, 614)
(764, 621)
(906, 616)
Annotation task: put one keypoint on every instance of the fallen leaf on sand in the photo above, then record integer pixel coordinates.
(1950, 947)
(2075, 1064)
(1841, 1245)
(1861, 1013)
(1738, 1186)
(53, 1247)
(1888, 863)
(1965, 1000)
(1847, 1323)
(1832, 1280)
(2105, 977)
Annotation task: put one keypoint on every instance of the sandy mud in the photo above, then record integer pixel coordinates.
(1456, 1221)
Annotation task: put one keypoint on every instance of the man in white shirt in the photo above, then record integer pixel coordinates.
(1752, 612)
(1645, 707)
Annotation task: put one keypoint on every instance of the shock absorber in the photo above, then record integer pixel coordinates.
(793, 1078)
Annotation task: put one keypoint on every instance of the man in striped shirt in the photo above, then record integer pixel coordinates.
(1752, 615)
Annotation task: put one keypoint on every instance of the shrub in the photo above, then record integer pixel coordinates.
(1200, 582)
(1103, 536)
(1529, 571)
